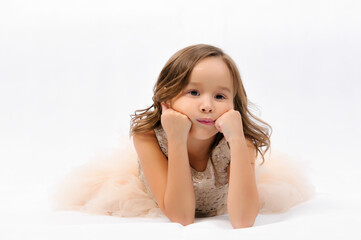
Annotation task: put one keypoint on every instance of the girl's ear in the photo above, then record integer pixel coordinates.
(164, 107)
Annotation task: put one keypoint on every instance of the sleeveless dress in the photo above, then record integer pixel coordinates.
(114, 184)
(210, 189)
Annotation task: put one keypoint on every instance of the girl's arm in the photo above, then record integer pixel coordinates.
(242, 199)
(170, 181)
(179, 199)
(179, 196)
(242, 202)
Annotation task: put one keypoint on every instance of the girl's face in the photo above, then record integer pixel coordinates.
(208, 95)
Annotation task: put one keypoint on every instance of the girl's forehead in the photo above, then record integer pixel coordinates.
(216, 63)
(212, 70)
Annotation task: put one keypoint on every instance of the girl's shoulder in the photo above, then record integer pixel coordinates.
(144, 138)
(143, 135)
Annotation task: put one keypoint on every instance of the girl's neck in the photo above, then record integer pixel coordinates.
(199, 150)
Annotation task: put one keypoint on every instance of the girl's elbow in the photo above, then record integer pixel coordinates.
(182, 220)
(240, 224)
(245, 219)
(181, 216)
(243, 222)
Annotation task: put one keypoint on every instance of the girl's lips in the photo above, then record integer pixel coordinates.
(206, 122)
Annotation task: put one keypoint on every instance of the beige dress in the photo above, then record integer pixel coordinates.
(210, 189)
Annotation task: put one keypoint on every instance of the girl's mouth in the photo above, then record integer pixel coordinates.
(207, 122)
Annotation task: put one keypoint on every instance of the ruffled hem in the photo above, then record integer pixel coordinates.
(110, 185)
(282, 183)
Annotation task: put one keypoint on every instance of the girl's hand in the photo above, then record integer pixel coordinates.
(230, 124)
(175, 124)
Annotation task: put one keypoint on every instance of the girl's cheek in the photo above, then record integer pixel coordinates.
(231, 106)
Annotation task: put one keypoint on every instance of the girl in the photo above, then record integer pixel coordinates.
(196, 149)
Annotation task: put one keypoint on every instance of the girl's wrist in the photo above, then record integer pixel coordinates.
(177, 140)
(236, 142)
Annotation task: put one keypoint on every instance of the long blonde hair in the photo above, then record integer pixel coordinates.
(175, 76)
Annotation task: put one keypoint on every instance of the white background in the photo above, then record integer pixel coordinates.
(71, 73)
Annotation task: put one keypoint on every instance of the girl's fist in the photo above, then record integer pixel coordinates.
(175, 124)
(230, 124)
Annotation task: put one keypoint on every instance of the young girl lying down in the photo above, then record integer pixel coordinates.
(199, 152)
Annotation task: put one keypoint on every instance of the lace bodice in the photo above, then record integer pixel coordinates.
(210, 186)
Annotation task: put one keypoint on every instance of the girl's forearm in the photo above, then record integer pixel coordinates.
(179, 199)
(242, 199)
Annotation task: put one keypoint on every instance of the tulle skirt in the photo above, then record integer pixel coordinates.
(109, 185)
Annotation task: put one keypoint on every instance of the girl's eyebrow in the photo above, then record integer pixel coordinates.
(226, 89)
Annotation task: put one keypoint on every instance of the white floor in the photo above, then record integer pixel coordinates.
(327, 216)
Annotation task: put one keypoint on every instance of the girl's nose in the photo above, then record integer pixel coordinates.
(207, 110)
(207, 106)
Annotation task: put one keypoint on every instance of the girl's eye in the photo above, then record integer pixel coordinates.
(220, 97)
(194, 93)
